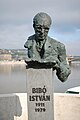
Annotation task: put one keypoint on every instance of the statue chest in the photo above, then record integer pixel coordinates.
(46, 51)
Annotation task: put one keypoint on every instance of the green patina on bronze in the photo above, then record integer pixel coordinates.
(45, 51)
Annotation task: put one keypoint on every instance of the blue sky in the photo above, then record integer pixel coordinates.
(16, 22)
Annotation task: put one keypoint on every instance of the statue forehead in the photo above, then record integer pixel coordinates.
(42, 23)
(42, 19)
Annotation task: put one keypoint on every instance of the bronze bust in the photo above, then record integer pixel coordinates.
(44, 50)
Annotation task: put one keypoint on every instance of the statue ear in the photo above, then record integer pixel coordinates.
(33, 25)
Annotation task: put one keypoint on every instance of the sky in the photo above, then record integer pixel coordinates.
(16, 17)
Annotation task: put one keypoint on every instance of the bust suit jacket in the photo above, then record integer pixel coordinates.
(53, 50)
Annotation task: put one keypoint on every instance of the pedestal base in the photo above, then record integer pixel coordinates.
(40, 94)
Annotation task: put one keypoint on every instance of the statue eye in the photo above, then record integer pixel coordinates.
(38, 27)
(46, 29)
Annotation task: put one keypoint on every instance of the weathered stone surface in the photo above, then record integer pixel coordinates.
(66, 106)
(9, 107)
(23, 101)
(40, 94)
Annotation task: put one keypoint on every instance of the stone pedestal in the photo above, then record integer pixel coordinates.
(40, 94)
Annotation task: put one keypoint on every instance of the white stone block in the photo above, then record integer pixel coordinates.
(67, 106)
(23, 110)
(40, 94)
(9, 107)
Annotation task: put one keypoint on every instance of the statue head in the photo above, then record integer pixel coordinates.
(41, 24)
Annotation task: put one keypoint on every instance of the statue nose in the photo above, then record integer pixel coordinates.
(42, 30)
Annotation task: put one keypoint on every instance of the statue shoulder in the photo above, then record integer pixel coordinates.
(54, 42)
(29, 41)
(32, 37)
(60, 46)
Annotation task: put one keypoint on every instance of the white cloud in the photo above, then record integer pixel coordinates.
(14, 36)
(73, 47)
(16, 20)
(23, 10)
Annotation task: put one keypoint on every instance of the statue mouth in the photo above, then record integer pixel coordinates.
(41, 37)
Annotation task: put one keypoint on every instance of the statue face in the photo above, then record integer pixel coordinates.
(41, 30)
